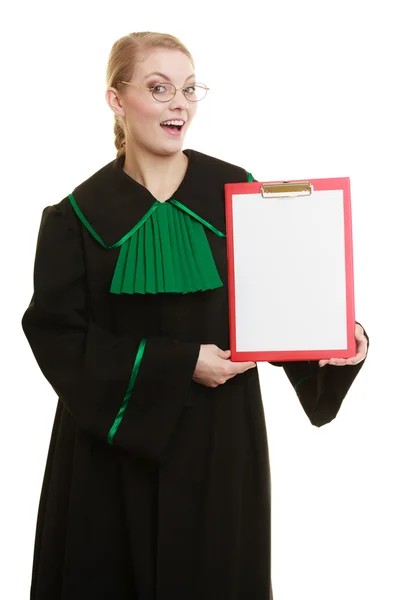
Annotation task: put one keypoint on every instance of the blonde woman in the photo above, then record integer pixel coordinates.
(157, 484)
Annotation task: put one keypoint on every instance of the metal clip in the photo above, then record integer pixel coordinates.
(286, 189)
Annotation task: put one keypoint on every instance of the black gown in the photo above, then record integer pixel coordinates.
(177, 506)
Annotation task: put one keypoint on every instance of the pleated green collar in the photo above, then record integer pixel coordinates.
(163, 246)
(166, 250)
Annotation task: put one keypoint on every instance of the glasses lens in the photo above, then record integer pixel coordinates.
(164, 91)
(195, 92)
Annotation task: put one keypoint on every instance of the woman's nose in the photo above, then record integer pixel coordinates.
(179, 101)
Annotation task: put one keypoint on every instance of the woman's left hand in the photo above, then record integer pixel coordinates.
(361, 349)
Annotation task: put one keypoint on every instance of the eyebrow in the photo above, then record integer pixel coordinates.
(166, 76)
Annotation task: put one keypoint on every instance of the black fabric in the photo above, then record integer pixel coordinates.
(179, 506)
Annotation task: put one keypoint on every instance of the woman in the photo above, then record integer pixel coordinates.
(157, 483)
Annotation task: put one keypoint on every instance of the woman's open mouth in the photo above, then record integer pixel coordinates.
(173, 127)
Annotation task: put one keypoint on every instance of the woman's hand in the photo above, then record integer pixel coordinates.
(214, 368)
(361, 351)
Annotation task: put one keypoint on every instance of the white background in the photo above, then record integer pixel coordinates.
(298, 90)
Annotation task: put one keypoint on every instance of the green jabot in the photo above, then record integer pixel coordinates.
(166, 251)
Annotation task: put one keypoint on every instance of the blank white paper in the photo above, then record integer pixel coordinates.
(289, 268)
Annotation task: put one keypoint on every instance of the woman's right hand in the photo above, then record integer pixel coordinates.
(214, 368)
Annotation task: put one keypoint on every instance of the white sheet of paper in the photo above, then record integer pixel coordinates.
(290, 279)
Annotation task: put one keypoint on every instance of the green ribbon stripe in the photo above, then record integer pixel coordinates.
(88, 226)
(197, 217)
(128, 392)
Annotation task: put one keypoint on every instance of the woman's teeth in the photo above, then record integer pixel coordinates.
(173, 124)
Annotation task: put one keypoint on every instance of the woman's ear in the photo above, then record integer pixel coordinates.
(114, 101)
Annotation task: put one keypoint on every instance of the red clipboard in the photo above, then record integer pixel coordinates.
(290, 270)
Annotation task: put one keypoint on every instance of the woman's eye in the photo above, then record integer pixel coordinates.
(159, 89)
(191, 89)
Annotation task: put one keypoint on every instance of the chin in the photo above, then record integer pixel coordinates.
(171, 150)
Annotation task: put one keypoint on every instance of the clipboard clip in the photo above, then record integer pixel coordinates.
(286, 189)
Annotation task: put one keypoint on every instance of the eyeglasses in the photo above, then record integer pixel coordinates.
(164, 92)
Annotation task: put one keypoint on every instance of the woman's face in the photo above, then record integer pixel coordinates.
(143, 114)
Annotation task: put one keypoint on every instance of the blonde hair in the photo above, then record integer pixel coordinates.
(121, 65)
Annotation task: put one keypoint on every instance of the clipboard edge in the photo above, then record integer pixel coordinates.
(319, 184)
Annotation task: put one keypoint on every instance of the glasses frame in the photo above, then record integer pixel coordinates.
(151, 89)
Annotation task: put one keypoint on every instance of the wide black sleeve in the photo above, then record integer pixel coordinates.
(126, 391)
(321, 390)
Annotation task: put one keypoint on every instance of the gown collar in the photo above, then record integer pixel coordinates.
(113, 202)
